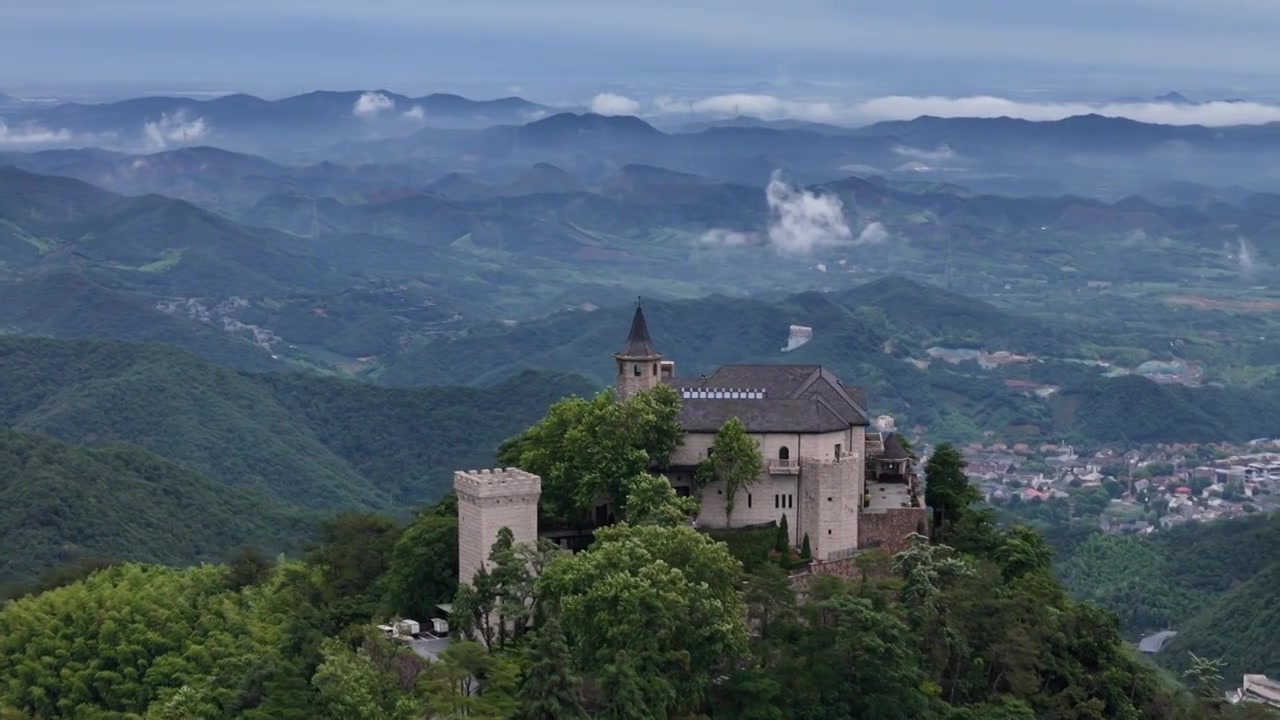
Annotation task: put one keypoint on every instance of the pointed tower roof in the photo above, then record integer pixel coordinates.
(893, 449)
(638, 343)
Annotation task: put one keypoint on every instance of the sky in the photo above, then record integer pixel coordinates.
(567, 50)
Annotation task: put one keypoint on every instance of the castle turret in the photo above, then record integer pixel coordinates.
(638, 362)
(489, 500)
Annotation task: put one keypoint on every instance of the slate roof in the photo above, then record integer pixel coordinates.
(638, 344)
(795, 399)
(893, 449)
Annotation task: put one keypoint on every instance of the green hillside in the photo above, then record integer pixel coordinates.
(67, 304)
(305, 441)
(60, 503)
(1214, 583)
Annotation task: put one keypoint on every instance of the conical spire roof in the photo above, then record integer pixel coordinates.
(638, 343)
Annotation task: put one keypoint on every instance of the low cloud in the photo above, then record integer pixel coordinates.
(614, 104)
(907, 107)
(415, 113)
(874, 232)
(30, 135)
(173, 129)
(727, 238)
(941, 154)
(371, 104)
(800, 222)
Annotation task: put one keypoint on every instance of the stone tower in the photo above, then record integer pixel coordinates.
(638, 362)
(489, 500)
(831, 503)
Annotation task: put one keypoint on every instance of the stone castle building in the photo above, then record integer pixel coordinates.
(844, 486)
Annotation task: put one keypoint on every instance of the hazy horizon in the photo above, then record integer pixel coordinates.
(567, 50)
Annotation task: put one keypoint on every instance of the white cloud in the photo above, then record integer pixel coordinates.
(873, 233)
(902, 107)
(907, 107)
(31, 135)
(613, 104)
(726, 238)
(941, 154)
(370, 104)
(415, 113)
(802, 221)
(767, 107)
(173, 128)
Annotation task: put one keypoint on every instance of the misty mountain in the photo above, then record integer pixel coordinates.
(321, 108)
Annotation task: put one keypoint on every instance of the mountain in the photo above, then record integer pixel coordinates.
(151, 242)
(63, 503)
(67, 304)
(304, 441)
(239, 113)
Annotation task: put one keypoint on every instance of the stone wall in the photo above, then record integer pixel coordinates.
(889, 529)
(489, 500)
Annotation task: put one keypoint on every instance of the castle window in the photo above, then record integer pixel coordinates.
(784, 453)
(839, 452)
(748, 499)
(637, 370)
(791, 501)
(655, 368)
(777, 501)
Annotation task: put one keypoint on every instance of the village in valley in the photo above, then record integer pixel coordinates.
(1135, 491)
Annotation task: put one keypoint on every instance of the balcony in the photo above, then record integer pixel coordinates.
(875, 443)
(784, 467)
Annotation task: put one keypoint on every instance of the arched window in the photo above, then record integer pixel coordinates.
(784, 453)
(637, 370)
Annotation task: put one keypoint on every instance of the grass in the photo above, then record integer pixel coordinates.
(169, 261)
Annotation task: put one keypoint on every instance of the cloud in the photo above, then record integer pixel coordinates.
(727, 238)
(1217, 113)
(801, 220)
(908, 107)
(371, 103)
(173, 128)
(31, 135)
(613, 104)
(415, 113)
(942, 154)
(873, 233)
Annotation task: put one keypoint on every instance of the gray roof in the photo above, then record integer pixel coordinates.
(779, 398)
(893, 449)
(638, 343)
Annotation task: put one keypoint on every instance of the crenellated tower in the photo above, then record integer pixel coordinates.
(638, 363)
(489, 500)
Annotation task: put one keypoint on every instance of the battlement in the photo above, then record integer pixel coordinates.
(847, 458)
(496, 482)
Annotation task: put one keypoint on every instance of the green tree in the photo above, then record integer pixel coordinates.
(664, 598)
(735, 461)
(652, 501)
(947, 489)
(582, 448)
(424, 566)
(549, 690)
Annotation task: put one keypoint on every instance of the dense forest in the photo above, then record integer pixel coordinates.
(188, 455)
(655, 619)
(1212, 582)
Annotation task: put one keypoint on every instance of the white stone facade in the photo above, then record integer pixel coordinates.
(489, 500)
(820, 494)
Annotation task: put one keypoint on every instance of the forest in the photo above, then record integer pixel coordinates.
(654, 619)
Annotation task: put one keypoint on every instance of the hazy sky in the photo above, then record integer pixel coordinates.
(897, 45)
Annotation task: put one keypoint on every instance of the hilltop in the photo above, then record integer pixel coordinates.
(64, 504)
(313, 442)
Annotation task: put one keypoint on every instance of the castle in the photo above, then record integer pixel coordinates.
(845, 487)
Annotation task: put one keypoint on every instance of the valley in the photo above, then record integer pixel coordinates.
(235, 329)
